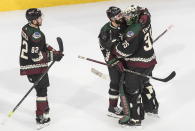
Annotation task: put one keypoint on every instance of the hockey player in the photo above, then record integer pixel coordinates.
(137, 50)
(108, 37)
(34, 56)
(148, 93)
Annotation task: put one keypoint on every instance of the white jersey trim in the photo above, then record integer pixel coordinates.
(41, 98)
(113, 96)
(33, 66)
(121, 53)
(139, 59)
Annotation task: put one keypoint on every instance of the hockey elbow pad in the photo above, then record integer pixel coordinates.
(50, 48)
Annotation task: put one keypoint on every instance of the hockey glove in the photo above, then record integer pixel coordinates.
(55, 55)
(144, 17)
(49, 48)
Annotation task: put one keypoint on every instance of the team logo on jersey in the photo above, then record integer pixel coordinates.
(130, 34)
(36, 35)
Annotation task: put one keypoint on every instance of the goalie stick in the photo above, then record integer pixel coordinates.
(100, 74)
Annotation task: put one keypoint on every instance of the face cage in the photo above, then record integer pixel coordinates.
(129, 16)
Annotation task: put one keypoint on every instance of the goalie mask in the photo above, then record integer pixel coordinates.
(131, 14)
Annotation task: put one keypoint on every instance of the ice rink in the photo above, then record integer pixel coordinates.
(79, 99)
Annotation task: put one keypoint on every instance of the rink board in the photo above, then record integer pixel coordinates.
(7, 5)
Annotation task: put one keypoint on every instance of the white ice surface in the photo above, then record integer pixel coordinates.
(78, 99)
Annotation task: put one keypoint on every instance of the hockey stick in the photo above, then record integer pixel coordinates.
(85, 58)
(169, 27)
(166, 79)
(104, 76)
(60, 43)
(124, 101)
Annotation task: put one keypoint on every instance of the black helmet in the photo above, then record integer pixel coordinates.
(33, 13)
(112, 11)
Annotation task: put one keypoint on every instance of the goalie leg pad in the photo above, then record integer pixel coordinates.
(149, 98)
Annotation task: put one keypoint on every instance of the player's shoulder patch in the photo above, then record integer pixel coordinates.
(133, 30)
(36, 35)
(130, 34)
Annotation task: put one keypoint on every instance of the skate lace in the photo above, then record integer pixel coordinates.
(117, 110)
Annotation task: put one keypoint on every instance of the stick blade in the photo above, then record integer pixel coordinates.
(81, 57)
(100, 74)
(60, 43)
(171, 76)
(168, 78)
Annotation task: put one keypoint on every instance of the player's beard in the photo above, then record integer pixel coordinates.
(36, 23)
(39, 23)
(120, 21)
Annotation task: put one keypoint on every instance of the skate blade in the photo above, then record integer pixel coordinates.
(132, 127)
(41, 126)
(153, 115)
(114, 115)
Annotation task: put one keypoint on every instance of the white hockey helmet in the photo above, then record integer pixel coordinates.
(131, 10)
(131, 13)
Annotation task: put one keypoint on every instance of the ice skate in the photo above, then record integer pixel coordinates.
(42, 121)
(115, 112)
